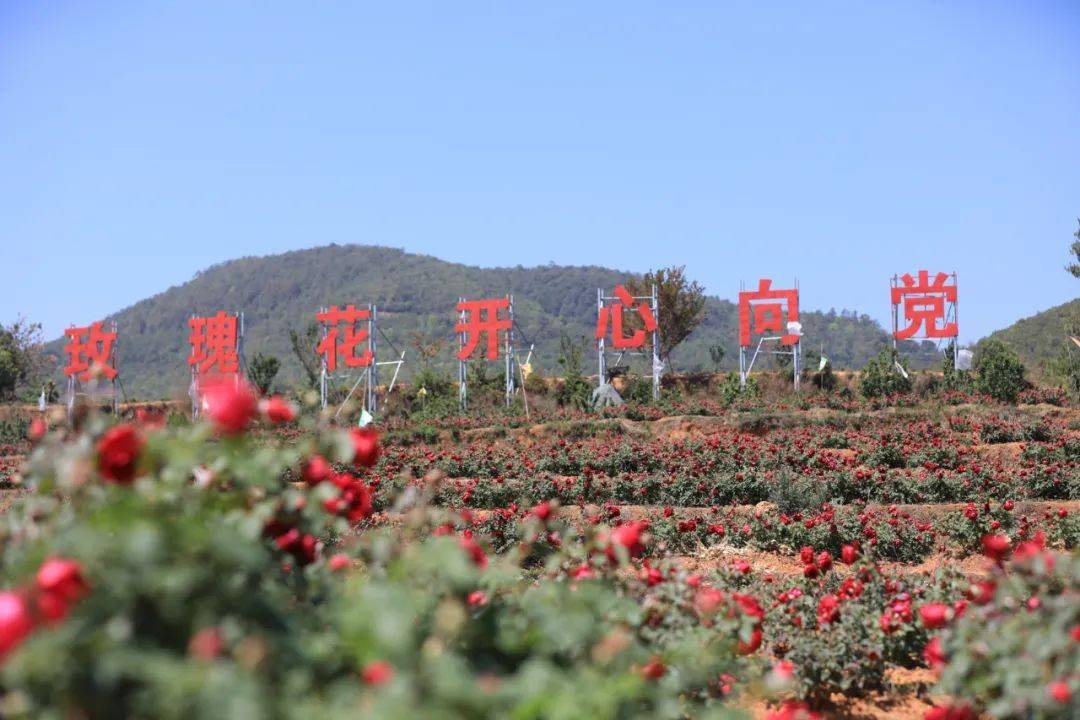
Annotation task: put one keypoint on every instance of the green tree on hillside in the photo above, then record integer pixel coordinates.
(1074, 267)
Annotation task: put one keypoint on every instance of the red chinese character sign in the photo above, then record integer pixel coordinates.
(485, 321)
(928, 306)
(766, 310)
(90, 350)
(214, 344)
(216, 351)
(643, 338)
(610, 318)
(90, 354)
(342, 337)
(349, 342)
(773, 315)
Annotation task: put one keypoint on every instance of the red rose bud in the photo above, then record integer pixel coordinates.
(824, 560)
(849, 554)
(365, 442)
(1059, 690)
(230, 405)
(278, 410)
(15, 622)
(206, 645)
(378, 672)
(807, 555)
(654, 669)
(934, 615)
(118, 453)
(477, 599)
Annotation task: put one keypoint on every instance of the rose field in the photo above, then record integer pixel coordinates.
(775, 559)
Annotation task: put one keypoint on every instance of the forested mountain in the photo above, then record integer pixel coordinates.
(1040, 339)
(415, 294)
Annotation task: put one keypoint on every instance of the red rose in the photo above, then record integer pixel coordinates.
(230, 405)
(315, 470)
(15, 622)
(745, 648)
(628, 536)
(118, 453)
(849, 554)
(477, 598)
(60, 583)
(365, 442)
(473, 550)
(377, 672)
(807, 555)
(278, 410)
(37, 430)
(542, 511)
(934, 615)
(828, 610)
(995, 547)
(934, 655)
(339, 562)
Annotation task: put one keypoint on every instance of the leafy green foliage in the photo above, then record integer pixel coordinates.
(262, 370)
(682, 304)
(999, 372)
(880, 378)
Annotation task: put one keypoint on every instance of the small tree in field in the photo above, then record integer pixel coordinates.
(21, 357)
(999, 372)
(263, 370)
(880, 376)
(303, 347)
(682, 304)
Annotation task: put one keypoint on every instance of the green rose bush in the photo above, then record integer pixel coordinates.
(207, 571)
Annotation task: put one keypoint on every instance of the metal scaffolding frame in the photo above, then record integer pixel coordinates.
(657, 369)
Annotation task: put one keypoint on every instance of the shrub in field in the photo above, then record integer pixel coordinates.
(1015, 651)
(880, 377)
(999, 372)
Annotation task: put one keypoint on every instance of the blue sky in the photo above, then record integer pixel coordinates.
(834, 142)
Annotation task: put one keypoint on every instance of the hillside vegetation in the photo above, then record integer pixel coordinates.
(1039, 339)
